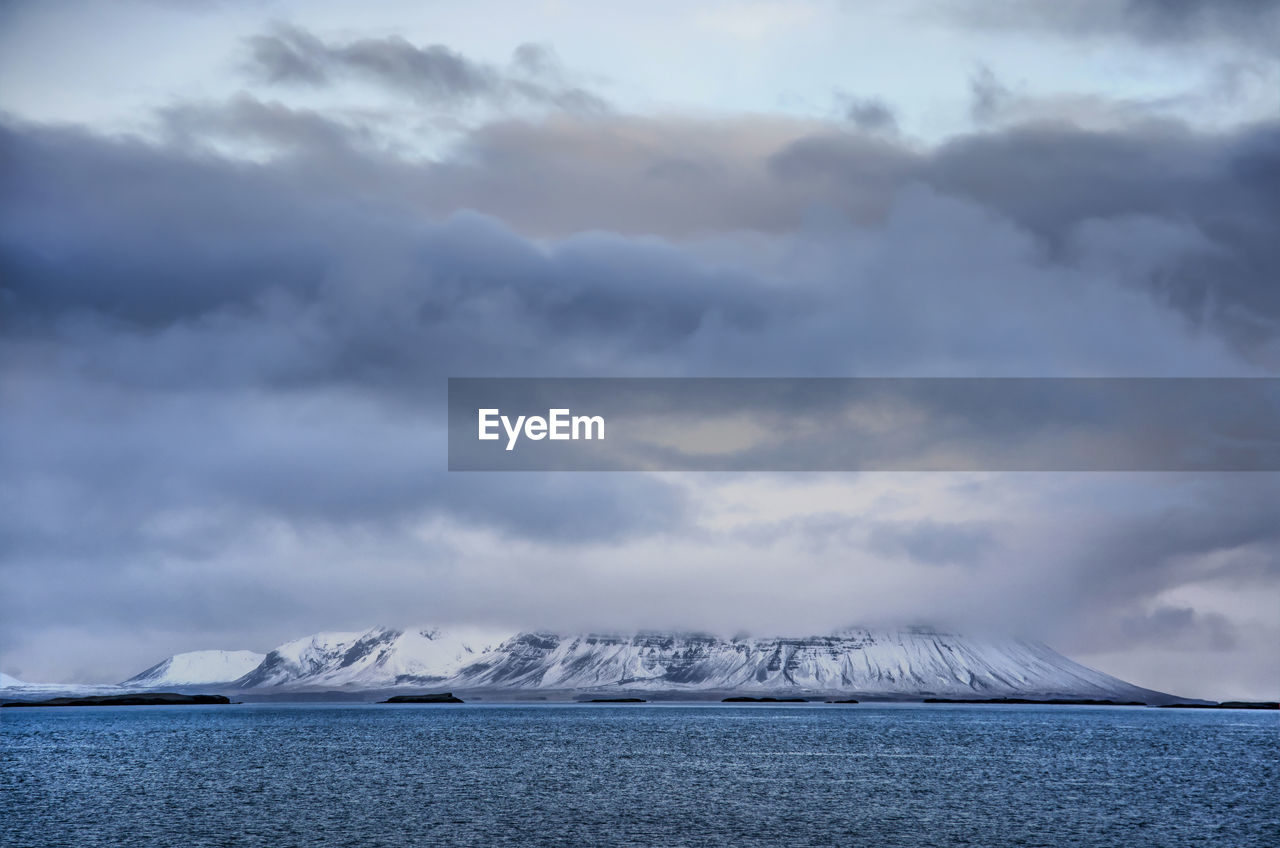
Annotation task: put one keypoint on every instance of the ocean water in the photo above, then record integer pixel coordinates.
(703, 775)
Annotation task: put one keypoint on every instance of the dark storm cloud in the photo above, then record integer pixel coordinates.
(1171, 191)
(160, 270)
(1225, 188)
(142, 339)
(1065, 184)
(213, 361)
(367, 288)
(322, 265)
(1186, 217)
(432, 74)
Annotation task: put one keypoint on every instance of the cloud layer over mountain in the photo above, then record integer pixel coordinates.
(224, 339)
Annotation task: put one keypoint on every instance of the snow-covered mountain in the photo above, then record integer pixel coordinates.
(195, 668)
(908, 662)
(21, 690)
(905, 663)
(372, 659)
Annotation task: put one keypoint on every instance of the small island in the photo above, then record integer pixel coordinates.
(844, 701)
(1226, 705)
(745, 699)
(435, 698)
(144, 699)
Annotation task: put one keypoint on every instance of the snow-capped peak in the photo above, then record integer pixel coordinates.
(371, 658)
(895, 663)
(195, 668)
(906, 662)
(7, 681)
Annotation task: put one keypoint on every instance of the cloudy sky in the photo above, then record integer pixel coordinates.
(243, 245)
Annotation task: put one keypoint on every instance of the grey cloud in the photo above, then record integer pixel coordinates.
(871, 114)
(246, 119)
(1227, 532)
(119, 457)
(987, 95)
(826, 532)
(933, 542)
(1224, 189)
(1212, 532)
(1252, 23)
(309, 253)
(291, 55)
(230, 364)
(1060, 183)
(318, 277)
(840, 535)
(1196, 211)
(223, 338)
(432, 74)
(1179, 627)
(1170, 630)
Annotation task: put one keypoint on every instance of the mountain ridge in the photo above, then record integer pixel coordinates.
(193, 668)
(895, 663)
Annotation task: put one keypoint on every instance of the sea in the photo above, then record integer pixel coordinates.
(638, 775)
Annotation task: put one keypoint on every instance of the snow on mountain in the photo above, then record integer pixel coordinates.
(196, 668)
(909, 662)
(21, 689)
(912, 662)
(374, 658)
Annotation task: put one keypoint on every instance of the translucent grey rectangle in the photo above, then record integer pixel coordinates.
(868, 424)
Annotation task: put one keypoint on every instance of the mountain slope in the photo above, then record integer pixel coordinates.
(913, 662)
(6, 681)
(908, 662)
(370, 659)
(196, 668)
